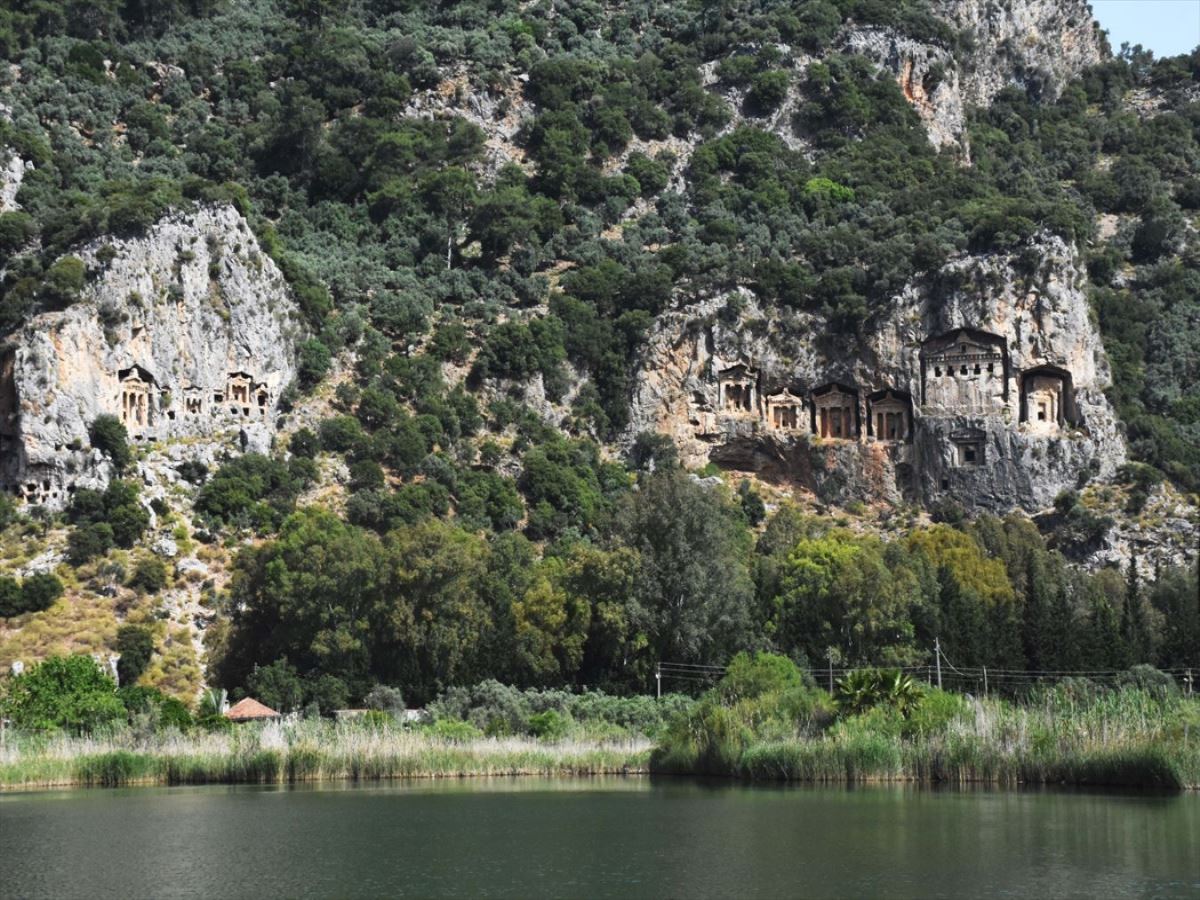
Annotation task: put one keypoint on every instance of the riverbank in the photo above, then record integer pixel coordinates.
(764, 722)
(302, 752)
(323, 752)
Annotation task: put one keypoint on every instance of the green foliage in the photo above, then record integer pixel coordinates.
(385, 699)
(149, 574)
(250, 491)
(87, 541)
(114, 517)
(67, 692)
(135, 645)
(312, 363)
(493, 708)
(63, 282)
(276, 685)
(8, 511)
(33, 594)
(760, 698)
(866, 689)
(109, 436)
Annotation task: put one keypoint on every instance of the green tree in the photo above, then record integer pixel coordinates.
(843, 591)
(451, 195)
(39, 591)
(693, 580)
(277, 685)
(87, 541)
(435, 622)
(10, 597)
(109, 436)
(135, 644)
(315, 595)
(149, 574)
(67, 692)
(551, 626)
(63, 282)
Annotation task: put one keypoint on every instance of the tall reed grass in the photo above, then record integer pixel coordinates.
(1126, 738)
(300, 752)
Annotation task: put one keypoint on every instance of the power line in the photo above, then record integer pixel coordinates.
(706, 673)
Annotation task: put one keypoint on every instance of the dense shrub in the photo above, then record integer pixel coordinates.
(109, 436)
(35, 593)
(67, 692)
(135, 645)
(251, 491)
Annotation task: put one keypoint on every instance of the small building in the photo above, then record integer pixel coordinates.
(250, 710)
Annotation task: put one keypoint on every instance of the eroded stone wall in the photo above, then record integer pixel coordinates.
(930, 404)
(185, 332)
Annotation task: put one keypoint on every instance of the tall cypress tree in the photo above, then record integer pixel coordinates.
(1133, 618)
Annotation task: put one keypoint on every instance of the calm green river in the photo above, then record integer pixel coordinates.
(595, 838)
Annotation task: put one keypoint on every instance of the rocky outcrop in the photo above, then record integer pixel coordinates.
(499, 112)
(1039, 45)
(12, 173)
(1034, 44)
(185, 332)
(984, 385)
(928, 76)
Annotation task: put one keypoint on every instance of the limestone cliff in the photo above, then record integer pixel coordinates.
(12, 173)
(983, 385)
(1036, 44)
(184, 332)
(1033, 44)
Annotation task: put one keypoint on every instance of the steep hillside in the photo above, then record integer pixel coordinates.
(423, 343)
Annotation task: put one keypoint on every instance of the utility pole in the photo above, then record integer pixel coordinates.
(985, 681)
(1187, 680)
(658, 681)
(937, 655)
(829, 654)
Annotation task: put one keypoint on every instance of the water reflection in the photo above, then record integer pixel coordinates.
(595, 837)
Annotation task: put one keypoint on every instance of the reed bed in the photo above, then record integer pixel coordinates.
(301, 752)
(1126, 738)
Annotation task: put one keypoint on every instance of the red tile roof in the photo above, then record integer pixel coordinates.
(245, 710)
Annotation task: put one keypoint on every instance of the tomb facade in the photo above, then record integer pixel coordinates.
(889, 416)
(193, 401)
(969, 446)
(737, 389)
(835, 412)
(237, 388)
(1047, 400)
(786, 412)
(137, 396)
(964, 371)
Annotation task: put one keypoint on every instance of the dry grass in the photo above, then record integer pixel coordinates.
(302, 751)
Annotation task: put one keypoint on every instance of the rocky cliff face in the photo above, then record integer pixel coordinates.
(1036, 45)
(12, 173)
(185, 332)
(983, 385)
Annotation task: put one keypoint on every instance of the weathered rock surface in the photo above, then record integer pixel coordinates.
(928, 76)
(185, 332)
(12, 173)
(1039, 45)
(1034, 44)
(778, 396)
